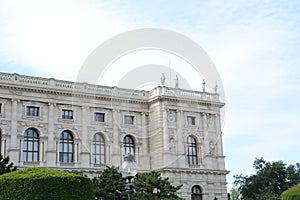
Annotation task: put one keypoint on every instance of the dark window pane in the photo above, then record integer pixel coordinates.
(67, 114)
(66, 147)
(98, 148)
(99, 117)
(128, 119)
(32, 111)
(192, 151)
(128, 145)
(31, 146)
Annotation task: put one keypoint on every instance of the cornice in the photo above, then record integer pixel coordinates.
(52, 86)
(195, 171)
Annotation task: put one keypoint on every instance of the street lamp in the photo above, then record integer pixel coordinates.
(129, 170)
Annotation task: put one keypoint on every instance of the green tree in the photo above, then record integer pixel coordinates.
(291, 194)
(110, 185)
(45, 184)
(235, 194)
(270, 180)
(5, 166)
(152, 186)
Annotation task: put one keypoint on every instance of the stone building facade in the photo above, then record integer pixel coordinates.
(83, 127)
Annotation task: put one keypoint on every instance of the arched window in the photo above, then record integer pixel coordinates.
(196, 193)
(98, 149)
(31, 146)
(128, 145)
(66, 144)
(192, 151)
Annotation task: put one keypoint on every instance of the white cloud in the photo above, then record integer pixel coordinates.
(54, 37)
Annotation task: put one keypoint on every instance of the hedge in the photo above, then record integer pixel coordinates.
(45, 184)
(291, 194)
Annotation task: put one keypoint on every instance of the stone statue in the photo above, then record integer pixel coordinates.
(203, 85)
(176, 82)
(163, 79)
(211, 148)
(171, 145)
(216, 88)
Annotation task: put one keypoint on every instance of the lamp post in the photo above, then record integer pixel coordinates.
(129, 170)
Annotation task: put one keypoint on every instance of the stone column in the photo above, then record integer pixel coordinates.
(51, 141)
(180, 140)
(51, 147)
(165, 130)
(219, 135)
(84, 131)
(180, 148)
(1, 143)
(14, 148)
(219, 145)
(115, 148)
(144, 153)
(14, 124)
(75, 153)
(206, 160)
(41, 151)
(84, 151)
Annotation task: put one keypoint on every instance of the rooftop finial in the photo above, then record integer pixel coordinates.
(163, 79)
(203, 85)
(176, 82)
(216, 87)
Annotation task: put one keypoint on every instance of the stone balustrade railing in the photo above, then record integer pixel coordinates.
(89, 89)
(182, 93)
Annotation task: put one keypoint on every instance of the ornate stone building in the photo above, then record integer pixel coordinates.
(84, 127)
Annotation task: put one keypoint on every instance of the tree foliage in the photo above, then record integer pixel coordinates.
(270, 180)
(45, 184)
(110, 185)
(152, 186)
(291, 194)
(5, 166)
(234, 194)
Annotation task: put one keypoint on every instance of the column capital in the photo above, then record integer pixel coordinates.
(84, 107)
(15, 100)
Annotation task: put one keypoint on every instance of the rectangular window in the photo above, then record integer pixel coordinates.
(32, 111)
(67, 114)
(99, 117)
(0, 108)
(128, 119)
(191, 120)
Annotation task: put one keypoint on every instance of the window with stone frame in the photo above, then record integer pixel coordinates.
(31, 145)
(32, 111)
(99, 117)
(66, 147)
(66, 114)
(192, 154)
(128, 145)
(98, 149)
(128, 119)
(191, 120)
(196, 193)
(1, 105)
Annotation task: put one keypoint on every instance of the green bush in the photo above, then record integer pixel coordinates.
(45, 184)
(291, 194)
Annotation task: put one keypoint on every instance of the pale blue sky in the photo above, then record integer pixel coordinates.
(254, 44)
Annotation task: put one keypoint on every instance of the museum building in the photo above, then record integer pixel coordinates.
(83, 127)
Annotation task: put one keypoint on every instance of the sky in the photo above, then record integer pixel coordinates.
(255, 46)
